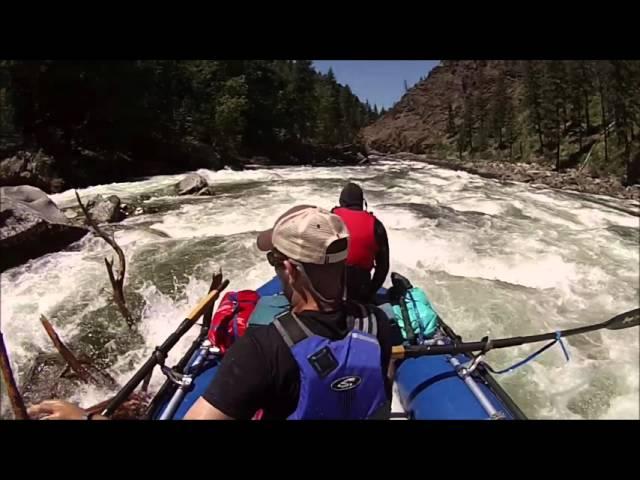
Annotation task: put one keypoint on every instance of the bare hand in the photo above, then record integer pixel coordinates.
(56, 410)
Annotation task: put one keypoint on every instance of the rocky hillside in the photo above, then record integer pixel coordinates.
(521, 111)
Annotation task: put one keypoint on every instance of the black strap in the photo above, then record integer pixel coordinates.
(290, 328)
(406, 320)
(293, 330)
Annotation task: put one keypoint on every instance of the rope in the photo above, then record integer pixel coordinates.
(532, 356)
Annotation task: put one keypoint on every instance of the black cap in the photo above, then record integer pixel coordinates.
(351, 196)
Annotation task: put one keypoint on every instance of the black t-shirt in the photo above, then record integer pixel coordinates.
(259, 371)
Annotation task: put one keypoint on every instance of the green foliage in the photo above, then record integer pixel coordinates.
(553, 110)
(135, 106)
(231, 110)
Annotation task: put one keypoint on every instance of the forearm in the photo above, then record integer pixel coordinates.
(380, 274)
(382, 258)
(203, 410)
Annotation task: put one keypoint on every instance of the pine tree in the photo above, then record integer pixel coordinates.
(510, 126)
(586, 83)
(499, 108)
(231, 109)
(552, 100)
(451, 124)
(533, 98)
(481, 112)
(602, 79)
(465, 134)
(301, 99)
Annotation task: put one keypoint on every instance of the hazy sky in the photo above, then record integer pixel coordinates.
(379, 81)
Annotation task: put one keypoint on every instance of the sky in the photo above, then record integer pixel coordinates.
(381, 82)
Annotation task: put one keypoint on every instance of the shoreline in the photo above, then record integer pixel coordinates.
(535, 174)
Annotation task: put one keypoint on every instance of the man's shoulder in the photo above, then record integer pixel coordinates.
(263, 336)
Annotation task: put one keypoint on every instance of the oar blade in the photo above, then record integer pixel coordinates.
(625, 320)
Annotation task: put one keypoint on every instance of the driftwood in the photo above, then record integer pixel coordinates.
(17, 404)
(117, 283)
(68, 356)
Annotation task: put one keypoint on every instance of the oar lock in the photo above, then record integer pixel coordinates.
(468, 368)
(184, 380)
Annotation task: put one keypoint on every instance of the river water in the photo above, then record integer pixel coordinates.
(495, 259)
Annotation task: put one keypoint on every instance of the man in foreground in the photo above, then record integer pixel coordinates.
(323, 359)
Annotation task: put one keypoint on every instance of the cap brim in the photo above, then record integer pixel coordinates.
(264, 241)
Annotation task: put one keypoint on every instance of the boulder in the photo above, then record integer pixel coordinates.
(29, 168)
(31, 225)
(191, 184)
(105, 210)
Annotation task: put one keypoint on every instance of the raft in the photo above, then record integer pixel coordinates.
(434, 387)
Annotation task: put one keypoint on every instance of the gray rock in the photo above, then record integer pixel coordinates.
(35, 199)
(105, 210)
(191, 184)
(31, 225)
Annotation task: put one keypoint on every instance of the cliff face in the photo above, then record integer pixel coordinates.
(419, 121)
(565, 113)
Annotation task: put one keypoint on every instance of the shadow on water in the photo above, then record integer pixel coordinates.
(440, 212)
(629, 234)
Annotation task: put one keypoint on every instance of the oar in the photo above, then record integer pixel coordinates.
(623, 320)
(161, 352)
(17, 404)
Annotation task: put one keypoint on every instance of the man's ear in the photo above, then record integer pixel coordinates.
(291, 271)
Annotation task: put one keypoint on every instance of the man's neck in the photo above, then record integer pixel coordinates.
(310, 305)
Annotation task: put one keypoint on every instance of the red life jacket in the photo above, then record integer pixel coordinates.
(232, 318)
(362, 240)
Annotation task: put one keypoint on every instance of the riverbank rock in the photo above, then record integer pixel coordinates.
(31, 168)
(533, 173)
(191, 184)
(106, 210)
(31, 225)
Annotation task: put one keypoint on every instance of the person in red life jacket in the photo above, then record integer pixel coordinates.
(368, 245)
(324, 358)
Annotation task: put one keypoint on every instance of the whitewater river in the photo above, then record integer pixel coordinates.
(495, 260)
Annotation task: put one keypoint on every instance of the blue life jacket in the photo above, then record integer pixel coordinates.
(339, 379)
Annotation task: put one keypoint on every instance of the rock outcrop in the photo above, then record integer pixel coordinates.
(31, 225)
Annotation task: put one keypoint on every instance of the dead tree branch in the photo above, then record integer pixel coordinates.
(67, 354)
(17, 403)
(117, 282)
